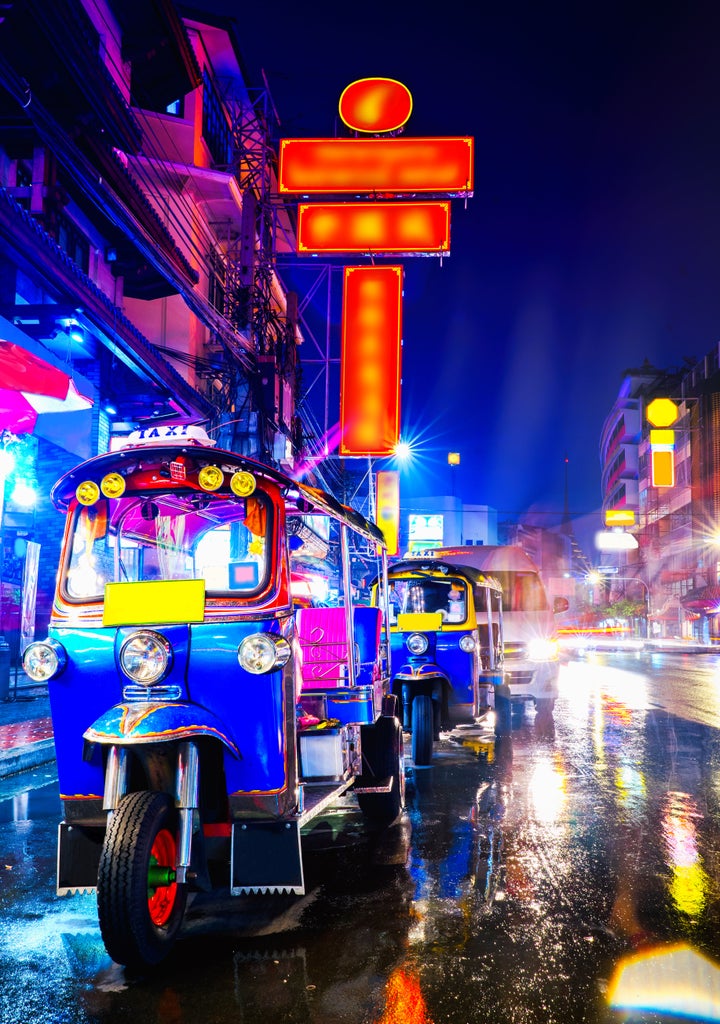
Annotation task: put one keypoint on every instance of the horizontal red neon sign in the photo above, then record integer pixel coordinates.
(390, 165)
(373, 227)
(370, 360)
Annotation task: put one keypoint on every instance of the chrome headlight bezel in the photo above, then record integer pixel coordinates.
(146, 657)
(43, 660)
(468, 643)
(261, 653)
(417, 643)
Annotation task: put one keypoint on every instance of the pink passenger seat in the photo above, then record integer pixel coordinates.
(322, 633)
(323, 640)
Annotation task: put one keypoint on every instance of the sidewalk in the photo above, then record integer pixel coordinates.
(669, 646)
(26, 736)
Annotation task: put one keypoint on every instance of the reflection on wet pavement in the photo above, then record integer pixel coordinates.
(558, 873)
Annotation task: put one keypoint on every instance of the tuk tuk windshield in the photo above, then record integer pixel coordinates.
(224, 540)
(447, 595)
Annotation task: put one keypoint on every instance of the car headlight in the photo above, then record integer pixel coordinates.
(542, 650)
(44, 659)
(146, 657)
(263, 652)
(467, 643)
(417, 643)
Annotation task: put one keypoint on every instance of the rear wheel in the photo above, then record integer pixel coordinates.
(382, 755)
(422, 730)
(140, 905)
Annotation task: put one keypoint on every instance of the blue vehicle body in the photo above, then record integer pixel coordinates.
(203, 715)
(446, 647)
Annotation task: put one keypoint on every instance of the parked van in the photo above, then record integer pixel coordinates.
(531, 647)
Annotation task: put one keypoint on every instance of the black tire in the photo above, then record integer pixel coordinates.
(422, 730)
(382, 755)
(139, 920)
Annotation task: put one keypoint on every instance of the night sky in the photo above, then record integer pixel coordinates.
(592, 242)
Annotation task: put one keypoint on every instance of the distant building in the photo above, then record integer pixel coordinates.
(444, 520)
(677, 557)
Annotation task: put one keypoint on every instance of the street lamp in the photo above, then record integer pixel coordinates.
(403, 452)
(453, 460)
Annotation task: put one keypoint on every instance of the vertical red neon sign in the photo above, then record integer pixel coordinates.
(370, 360)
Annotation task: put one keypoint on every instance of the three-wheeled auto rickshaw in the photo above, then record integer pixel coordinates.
(446, 646)
(202, 718)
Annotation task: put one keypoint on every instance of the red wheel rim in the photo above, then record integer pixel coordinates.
(161, 899)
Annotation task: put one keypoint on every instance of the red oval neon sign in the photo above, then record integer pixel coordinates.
(375, 105)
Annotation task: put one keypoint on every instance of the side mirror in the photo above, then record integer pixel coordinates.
(560, 604)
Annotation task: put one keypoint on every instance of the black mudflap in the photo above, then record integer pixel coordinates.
(79, 850)
(266, 857)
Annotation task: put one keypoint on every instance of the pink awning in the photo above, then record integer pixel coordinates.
(40, 395)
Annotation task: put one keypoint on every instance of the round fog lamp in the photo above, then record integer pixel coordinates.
(210, 478)
(145, 657)
(467, 643)
(44, 659)
(112, 485)
(417, 643)
(263, 652)
(87, 493)
(242, 483)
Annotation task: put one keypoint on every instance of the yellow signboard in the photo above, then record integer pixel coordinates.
(662, 412)
(619, 517)
(387, 513)
(423, 622)
(154, 603)
(663, 468)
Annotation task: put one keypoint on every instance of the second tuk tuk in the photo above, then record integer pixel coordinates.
(446, 646)
(203, 718)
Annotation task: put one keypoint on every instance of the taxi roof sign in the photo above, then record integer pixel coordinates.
(183, 433)
(662, 412)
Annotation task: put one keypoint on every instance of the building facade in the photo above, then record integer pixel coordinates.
(138, 235)
(677, 558)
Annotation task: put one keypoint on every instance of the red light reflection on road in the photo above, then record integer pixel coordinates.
(404, 1001)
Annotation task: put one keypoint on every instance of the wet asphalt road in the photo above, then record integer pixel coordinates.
(525, 873)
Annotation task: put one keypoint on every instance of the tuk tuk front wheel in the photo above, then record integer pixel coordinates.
(140, 905)
(422, 729)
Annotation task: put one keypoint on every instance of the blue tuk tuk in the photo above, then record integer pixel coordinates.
(204, 718)
(446, 646)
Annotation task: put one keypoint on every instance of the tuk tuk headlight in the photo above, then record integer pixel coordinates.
(263, 652)
(44, 659)
(467, 643)
(417, 643)
(146, 657)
